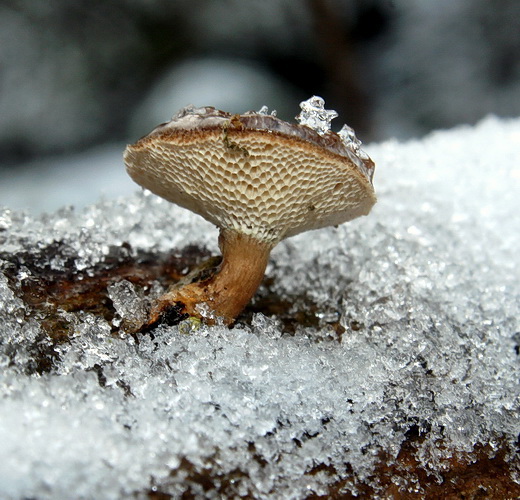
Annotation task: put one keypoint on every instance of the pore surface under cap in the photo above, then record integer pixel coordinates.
(266, 183)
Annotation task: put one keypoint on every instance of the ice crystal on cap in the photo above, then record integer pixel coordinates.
(264, 110)
(348, 137)
(314, 115)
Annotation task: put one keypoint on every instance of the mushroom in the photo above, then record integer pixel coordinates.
(259, 179)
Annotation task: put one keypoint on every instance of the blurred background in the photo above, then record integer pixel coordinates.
(79, 79)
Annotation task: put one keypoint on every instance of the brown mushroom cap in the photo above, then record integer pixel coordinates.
(253, 173)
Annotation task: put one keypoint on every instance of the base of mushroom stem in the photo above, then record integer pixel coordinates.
(219, 294)
(179, 305)
(170, 308)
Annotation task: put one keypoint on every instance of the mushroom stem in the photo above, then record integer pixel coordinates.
(244, 260)
(226, 293)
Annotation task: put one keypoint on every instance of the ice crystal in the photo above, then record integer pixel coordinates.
(190, 109)
(349, 139)
(314, 115)
(129, 304)
(264, 110)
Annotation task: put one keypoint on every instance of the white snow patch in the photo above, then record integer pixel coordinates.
(426, 287)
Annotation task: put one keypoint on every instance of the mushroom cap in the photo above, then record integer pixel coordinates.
(253, 173)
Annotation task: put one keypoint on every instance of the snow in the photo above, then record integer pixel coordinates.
(426, 289)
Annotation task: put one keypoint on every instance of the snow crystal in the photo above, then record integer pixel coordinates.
(130, 305)
(314, 115)
(264, 110)
(415, 319)
(349, 139)
(190, 109)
